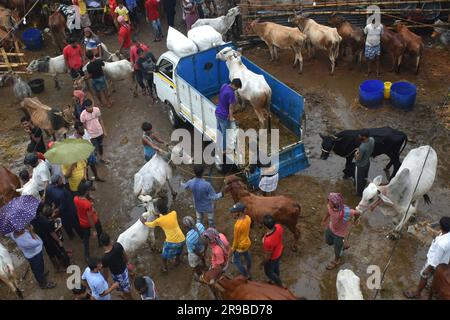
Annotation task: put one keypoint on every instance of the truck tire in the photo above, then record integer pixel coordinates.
(173, 117)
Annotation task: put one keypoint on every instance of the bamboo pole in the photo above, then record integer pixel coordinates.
(12, 65)
(365, 11)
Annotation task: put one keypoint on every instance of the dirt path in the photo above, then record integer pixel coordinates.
(331, 105)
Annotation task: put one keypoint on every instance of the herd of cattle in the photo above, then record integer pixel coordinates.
(336, 39)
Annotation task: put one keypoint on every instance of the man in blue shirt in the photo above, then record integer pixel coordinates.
(203, 194)
(224, 111)
(96, 281)
(195, 245)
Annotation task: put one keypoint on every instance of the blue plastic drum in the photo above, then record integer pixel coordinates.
(403, 95)
(371, 93)
(32, 38)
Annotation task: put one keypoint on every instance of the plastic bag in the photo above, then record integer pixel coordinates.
(205, 37)
(179, 44)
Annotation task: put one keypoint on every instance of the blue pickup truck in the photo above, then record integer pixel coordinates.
(187, 85)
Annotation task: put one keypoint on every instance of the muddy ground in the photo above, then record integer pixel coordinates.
(331, 105)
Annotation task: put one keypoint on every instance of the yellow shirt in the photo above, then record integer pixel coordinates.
(241, 240)
(169, 224)
(77, 174)
(82, 6)
(122, 12)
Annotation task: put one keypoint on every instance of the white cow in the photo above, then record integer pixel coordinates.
(394, 198)
(137, 234)
(347, 285)
(153, 176)
(254, 86)
(54, 66)
(221, 24)
(7, 274)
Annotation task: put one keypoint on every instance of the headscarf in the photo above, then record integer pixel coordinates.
(337, 200)
(213, 235)
(80, 95)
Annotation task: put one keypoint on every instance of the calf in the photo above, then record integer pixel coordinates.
(221, 24)
(400, 197)
(7, 274)
(278, 36)
(137, 234)
(392, 43)
(352, 37)
(254, 86)
(320, 36)
(414, 43)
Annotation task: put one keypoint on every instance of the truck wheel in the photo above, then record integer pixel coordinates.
(173, 117)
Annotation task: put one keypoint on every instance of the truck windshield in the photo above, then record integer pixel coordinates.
(166, 68)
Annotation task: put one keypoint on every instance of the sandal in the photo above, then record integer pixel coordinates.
(48, 285)
(411, 295)
(332, 265)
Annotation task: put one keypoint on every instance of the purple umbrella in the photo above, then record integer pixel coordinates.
(17, 213)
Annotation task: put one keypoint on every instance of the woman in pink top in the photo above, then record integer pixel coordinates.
(338, 228)
(91, 119)
(219, 248)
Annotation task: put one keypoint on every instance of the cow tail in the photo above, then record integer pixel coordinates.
(336, 46)
(427, 199)
(404, 145)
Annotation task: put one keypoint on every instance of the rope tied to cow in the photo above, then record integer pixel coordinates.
(401, 229)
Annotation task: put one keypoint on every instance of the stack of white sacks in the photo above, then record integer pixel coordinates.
(198, 39)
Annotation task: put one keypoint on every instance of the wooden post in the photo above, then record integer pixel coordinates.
(5, 57)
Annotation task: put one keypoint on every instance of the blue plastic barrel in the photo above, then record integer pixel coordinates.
(371, 93)
(403, 95)
(32, 38)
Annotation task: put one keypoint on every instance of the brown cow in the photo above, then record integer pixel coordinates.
(440, 287)
(239, 288)
(278, 36)
(51, 120)
(413, 42)
(392, 43)
(57, 25)
(284, 209)
(9, 183)
(352, 37)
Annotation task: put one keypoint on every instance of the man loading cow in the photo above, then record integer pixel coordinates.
(362, 160)
(372, 51)
(224, 112)
(438, 253)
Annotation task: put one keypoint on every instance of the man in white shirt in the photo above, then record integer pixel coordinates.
(41, 173)
(372, 51)
(438, 253)
(28, 185)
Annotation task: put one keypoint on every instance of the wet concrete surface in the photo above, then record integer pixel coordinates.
(331, 105)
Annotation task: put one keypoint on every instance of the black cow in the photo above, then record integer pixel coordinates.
(388, 141)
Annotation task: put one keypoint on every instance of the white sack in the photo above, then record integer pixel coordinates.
(179, 44)
(205, 37)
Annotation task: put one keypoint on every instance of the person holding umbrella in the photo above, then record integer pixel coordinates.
(15, 217)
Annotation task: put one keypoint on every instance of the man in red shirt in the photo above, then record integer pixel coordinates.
(339, 215)
(124, 34)
(273, 249)
(87, 216)
(73, 56)
(134, 58)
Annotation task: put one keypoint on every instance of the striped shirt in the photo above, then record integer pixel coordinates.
(340, 221)
(193, 239)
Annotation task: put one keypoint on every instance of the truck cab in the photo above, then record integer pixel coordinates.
(164, 80)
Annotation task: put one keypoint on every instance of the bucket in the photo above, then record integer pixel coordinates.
(32, 38)
(36, 85)
(387, 89)
(371, 93)
(403, 95)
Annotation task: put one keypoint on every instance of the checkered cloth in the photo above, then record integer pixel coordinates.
(372, 51)
(172, 249)
(123, 280)
(268, 183)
